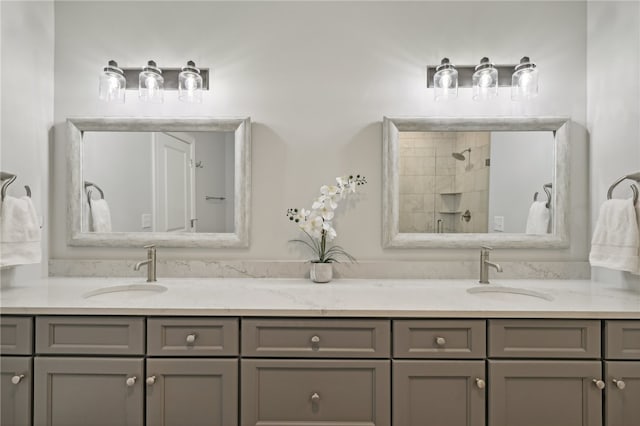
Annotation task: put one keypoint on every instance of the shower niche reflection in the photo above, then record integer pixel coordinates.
(471, 182)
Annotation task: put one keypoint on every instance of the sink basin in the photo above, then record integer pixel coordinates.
(128, 291)
(493, 290)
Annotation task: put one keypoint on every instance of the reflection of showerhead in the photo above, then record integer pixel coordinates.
(460, 155)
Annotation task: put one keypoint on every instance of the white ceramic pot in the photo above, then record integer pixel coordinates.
(321, 272)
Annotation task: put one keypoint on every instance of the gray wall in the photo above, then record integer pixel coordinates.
(613, 89)
(521, 162)
(316, 78)
(26, 91)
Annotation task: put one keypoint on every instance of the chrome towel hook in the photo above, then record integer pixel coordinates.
(634, 188)
(8, 179)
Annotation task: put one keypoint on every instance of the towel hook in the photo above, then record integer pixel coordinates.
(634, 188)
(9, 178)
(88, 184)
(547, 190)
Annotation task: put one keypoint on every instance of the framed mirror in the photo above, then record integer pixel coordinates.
(466, 182)
(170, 182)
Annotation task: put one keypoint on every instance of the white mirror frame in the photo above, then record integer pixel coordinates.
(391, 128)
(237, 239)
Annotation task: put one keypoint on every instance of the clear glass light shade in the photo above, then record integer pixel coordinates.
(445, 81)
(524, 82)
(190, 84)
(485, 81)
(112, 84)
(151, 84)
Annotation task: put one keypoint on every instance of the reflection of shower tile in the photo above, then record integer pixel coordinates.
(424, 152)
(420, 222)
(411, 203)
(444, 183)
(482, 179)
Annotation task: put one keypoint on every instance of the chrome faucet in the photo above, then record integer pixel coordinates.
(485, 263)
(150, 262)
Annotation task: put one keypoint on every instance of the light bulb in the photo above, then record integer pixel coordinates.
(525, 80)
(190, 83)
(445, 81)
(485, 80)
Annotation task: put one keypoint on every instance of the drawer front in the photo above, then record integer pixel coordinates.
(90, 335)
(439, 339)
(544, 339)
(16, 335)
(322, 392)
(622, 339)
(15, 390)
(192, 336)
(316, 338)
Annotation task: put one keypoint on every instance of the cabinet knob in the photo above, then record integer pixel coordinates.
(315, 397)
(131, 380)
(480, 383)
(17, 378)
(599, 383)
(620, 384)
(151, 380)
(315, 339)
(440, 341)
(191, 337)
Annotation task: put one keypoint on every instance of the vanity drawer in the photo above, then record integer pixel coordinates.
(316, 338)
(315, 392)
(90, 335)
(544, 338)
(439, 339)
(16, 335)
(622, 339)
(192, 336)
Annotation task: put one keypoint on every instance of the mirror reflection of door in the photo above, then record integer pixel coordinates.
(173, 192)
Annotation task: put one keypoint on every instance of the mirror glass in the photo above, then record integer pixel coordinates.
(173, 182)
(474, 181)
(471, 181)
(159, 181)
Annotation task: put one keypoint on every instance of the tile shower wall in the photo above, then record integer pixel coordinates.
(436, 189)
(316, 79)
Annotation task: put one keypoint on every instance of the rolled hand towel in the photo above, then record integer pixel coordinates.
(538, 219)
(616, 238)
(100, 216)
(21, 235)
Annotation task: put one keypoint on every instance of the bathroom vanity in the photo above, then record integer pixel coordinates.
(302, 354)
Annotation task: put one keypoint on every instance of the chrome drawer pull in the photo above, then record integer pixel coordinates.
(480, 383)
(440, 341)
(620, 383)
(151, 380)
(599, 383)
(131, 381)
(191, 338)
(315, 397)
(315, 339)
(17, 378)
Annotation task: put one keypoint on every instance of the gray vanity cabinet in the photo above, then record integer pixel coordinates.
(436, 393)
(88, 391)
(622, 393)
(194, 392)
(15, 390)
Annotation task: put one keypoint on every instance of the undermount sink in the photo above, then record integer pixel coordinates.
(129, 291)
(493, 290)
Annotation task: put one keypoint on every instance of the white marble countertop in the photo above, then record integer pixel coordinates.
(340, 298)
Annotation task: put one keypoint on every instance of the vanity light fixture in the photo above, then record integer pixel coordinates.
(112, 83)
(485, 80)
(445, 81)
(151, 84)
(190, 84)
(524, 81)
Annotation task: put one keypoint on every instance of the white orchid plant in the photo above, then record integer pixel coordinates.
(316, 223)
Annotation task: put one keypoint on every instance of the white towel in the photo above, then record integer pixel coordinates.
(616, 238)
(538, 219)
(21, 234)
(100, 216)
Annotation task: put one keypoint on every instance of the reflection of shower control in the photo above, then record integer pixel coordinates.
(466, 216)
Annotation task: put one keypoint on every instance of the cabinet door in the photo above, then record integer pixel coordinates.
(320, 393)
(623, 393)
(88, 391)
(549, 393)
(436, 393)
(15, 391)
(194, 392)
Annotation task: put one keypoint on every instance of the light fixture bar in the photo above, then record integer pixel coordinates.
(170, 77)
(465, 75)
